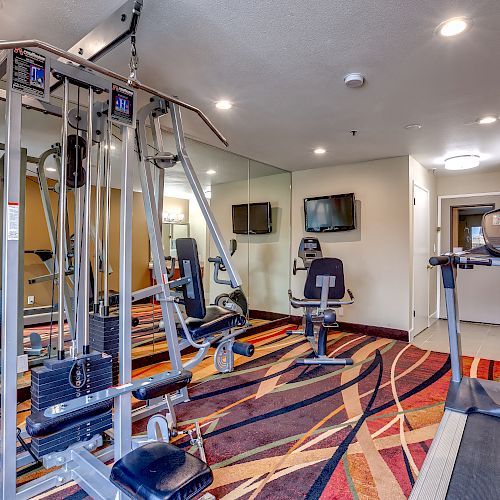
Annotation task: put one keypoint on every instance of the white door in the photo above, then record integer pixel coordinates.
(420, 259)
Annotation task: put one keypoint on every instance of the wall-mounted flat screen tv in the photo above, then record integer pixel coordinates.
(330, 213)
(256, 221)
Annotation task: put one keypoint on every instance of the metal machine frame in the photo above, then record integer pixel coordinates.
(78, 462)
(465, 395)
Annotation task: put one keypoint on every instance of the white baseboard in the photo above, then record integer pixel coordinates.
(433, 317)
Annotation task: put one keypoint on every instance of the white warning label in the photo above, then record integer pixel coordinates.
(13, 221)
(496, 220)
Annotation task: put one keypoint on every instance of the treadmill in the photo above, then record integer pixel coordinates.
(463, 461)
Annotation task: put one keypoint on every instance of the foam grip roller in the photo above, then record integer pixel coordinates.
(441, 260)
(243, 349)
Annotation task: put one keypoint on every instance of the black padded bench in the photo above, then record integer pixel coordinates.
(160, 471)
(203, 321)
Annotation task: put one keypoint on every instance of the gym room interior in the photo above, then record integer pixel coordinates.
(249, 248)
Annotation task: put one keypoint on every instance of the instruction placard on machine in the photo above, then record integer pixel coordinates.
(29, 73)
(122, 105)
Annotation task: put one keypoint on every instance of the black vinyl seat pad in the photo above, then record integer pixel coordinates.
(160, 471)
(217, 319)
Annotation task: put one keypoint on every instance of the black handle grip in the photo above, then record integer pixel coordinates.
(244, 349)
(441, 260)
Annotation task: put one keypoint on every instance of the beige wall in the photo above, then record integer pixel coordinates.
(376, 255)
(464, 183)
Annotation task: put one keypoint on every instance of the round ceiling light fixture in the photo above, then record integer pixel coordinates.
(487, 120)
(223, 104)
(354, 80)
(319, 151)
(462, 162)
(454, 26)
(211, 172)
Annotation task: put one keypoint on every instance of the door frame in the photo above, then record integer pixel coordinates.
(439, 219)
(412, 317)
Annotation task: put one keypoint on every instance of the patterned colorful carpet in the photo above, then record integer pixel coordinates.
(277, 430)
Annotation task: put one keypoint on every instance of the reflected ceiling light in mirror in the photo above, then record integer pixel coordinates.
(50, 169)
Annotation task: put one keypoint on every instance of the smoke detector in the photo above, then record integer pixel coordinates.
(354, 80)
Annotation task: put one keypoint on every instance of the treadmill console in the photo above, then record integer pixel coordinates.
(491, 231)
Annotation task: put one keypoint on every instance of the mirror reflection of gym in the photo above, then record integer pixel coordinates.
(466, 231)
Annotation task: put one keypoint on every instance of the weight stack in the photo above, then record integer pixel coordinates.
(50, 385)
(104, 337)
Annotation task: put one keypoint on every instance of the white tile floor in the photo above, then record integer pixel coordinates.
(478, 339)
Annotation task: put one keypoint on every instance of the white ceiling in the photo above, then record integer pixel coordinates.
(283, 62)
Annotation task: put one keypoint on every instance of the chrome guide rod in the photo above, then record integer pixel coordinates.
(106, 215)
(86, 225)
(10, 288)
(123, 405)
(111, 74)
(159, 267)
(62, 221)
(201, 198)
(97, 249)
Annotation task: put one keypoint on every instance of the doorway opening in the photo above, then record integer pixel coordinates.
(465, 226)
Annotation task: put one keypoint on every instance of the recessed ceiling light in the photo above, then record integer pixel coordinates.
(462, 162)
(50, 169)
(486, 120)
(223, 104)
(319, 151)
(413, 126)
(211, 172)
(453, 27)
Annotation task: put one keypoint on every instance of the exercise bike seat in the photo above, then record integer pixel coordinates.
(216, 319)
(160, 470)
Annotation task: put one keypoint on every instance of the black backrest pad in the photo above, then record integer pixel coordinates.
(325, 267)
(193, 293)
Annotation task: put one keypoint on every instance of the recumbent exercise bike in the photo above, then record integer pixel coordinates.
(323, 293)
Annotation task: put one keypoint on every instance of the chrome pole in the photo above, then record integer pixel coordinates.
(86, 226)
(107, 201)
(62, 222)
(97, 248)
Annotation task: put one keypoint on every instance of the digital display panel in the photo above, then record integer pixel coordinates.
(122, 105)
